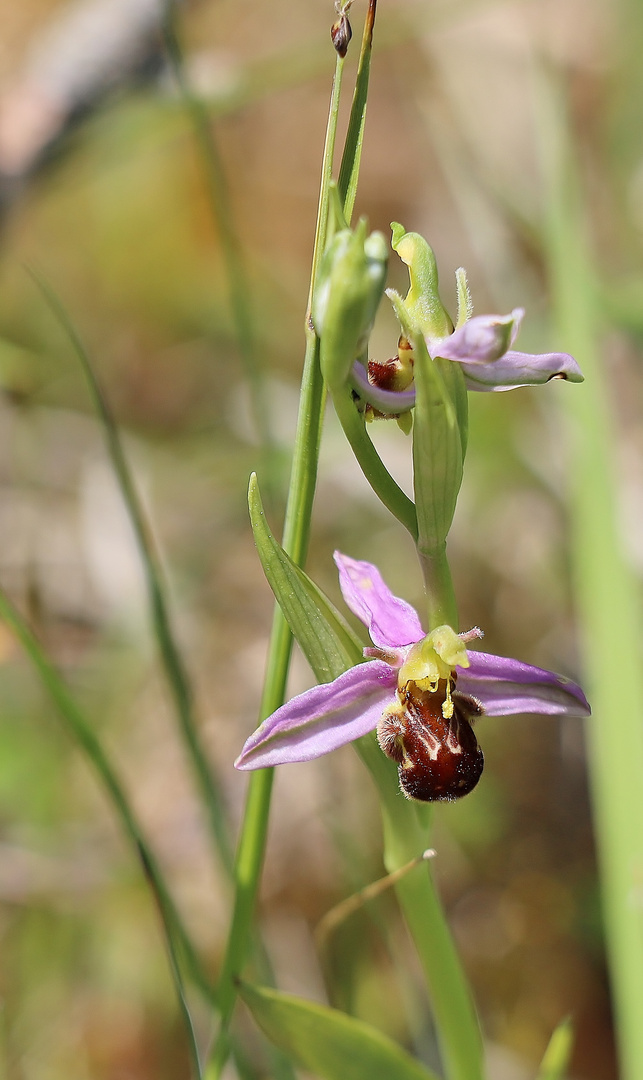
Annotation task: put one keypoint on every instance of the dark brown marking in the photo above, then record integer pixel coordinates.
(439, 760)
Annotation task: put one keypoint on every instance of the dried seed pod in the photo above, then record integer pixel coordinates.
(341, 34)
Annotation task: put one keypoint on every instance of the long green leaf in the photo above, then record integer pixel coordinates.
(556, 1058)
(352, 155)
(328, 643)
(327, 1042)
(607, 592)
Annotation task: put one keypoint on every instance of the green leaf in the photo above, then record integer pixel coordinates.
(326, 640)
(327, 1042)
(352, 155)
(556, 1059)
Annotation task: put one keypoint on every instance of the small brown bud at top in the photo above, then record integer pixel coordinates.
(341, 34)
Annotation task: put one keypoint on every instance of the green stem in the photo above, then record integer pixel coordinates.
(440, 596)
(179, 989)
(406, 835)
(176, 674)
(252, 840)
(371, 464)
(82, 733)
(296, 532)
(295, 542)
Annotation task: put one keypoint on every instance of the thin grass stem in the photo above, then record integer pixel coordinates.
(218, 191)
(175, 671)
(81, 731)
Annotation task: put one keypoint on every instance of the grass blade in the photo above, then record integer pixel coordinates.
(81, 731)
(557, 1056)
(171, 659)
(606, 590)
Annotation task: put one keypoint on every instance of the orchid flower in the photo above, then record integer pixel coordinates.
(482, 347)
(421, 692)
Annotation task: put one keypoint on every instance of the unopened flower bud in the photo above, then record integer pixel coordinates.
(349, 290)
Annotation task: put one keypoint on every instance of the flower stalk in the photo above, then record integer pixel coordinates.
(296, 532)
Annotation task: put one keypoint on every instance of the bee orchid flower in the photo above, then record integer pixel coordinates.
(421, 693)
(482, 346)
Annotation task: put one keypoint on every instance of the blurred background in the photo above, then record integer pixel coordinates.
(105, 191)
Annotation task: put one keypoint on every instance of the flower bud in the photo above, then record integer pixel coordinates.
(349, 288)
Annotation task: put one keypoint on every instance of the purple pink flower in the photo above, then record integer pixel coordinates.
(482, 346)
(421, 692)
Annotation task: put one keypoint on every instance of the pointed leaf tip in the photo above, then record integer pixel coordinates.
(327, 1042)
(323, 635)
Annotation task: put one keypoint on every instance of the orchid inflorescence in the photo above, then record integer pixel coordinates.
(421, 692)
(420, 688)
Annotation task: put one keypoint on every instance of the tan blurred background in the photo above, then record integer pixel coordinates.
(103, 191)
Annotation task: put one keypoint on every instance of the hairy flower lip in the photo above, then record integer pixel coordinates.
(332, 714)
(387, 401)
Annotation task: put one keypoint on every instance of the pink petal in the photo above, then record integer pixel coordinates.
(505, 687)
(520, 369)
(391, 622)
(482, 339)
(325, 717)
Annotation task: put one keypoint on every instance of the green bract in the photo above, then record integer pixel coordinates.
(422, 301)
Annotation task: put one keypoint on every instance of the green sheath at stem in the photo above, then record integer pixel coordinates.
(440, 595)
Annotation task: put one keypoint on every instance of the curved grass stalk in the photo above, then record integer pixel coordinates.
(175, 671)
(222, 211)
(78, 727)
